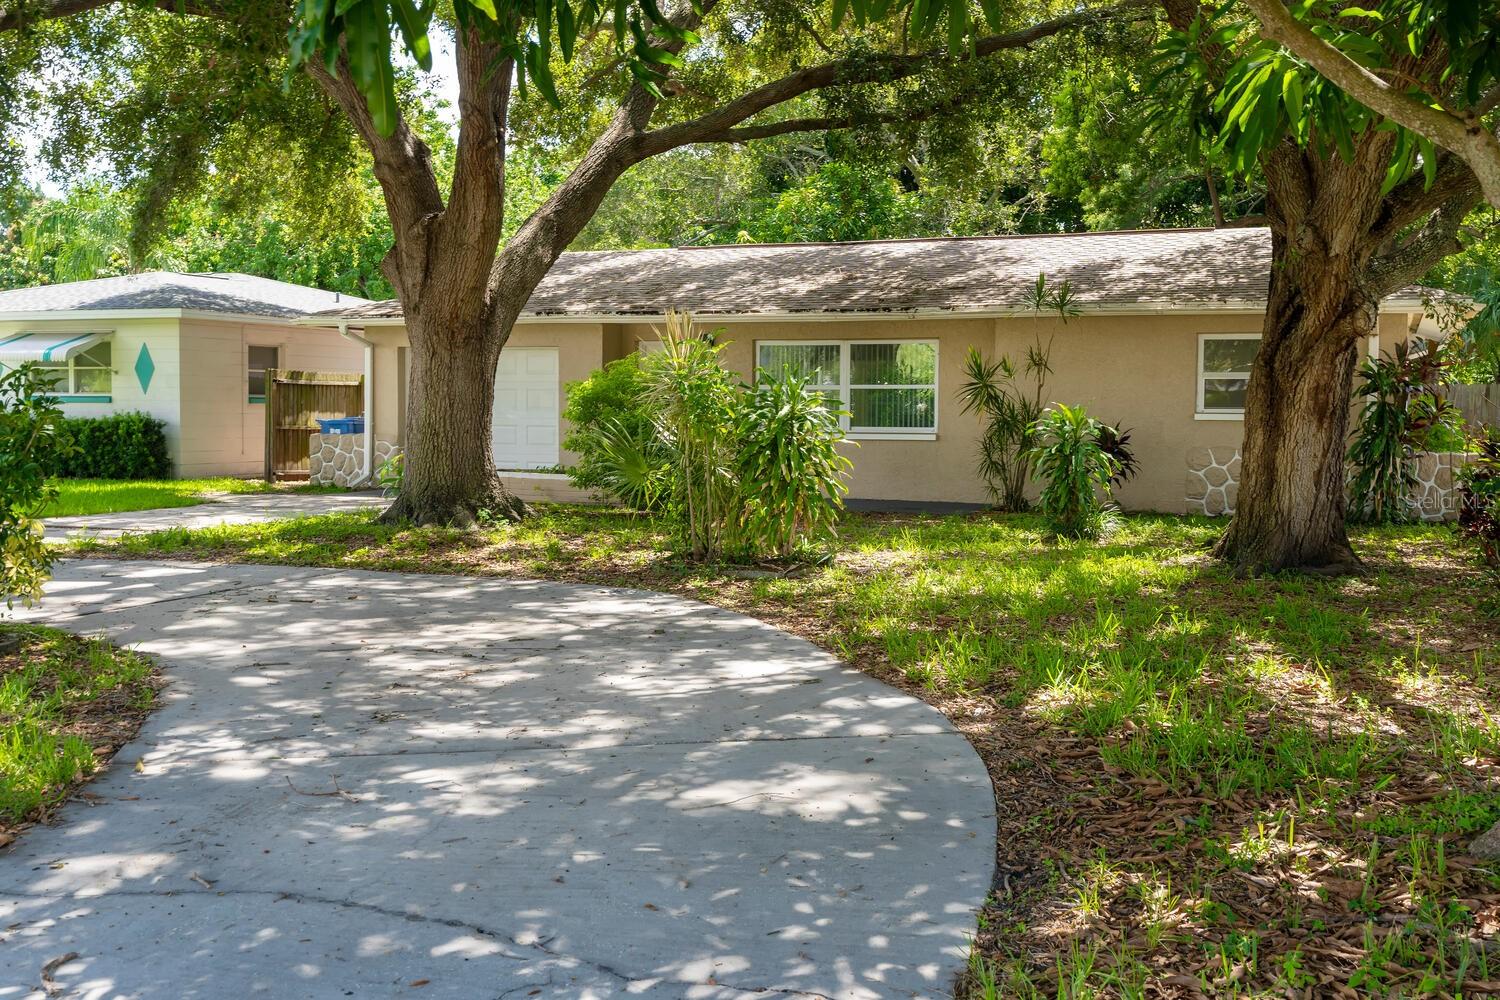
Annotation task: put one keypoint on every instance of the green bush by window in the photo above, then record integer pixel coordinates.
(120, 446)
(611, 429)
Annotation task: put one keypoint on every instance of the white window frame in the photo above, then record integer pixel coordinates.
(70, 367)
(844, 388)
(1203, 412)
(252, 399)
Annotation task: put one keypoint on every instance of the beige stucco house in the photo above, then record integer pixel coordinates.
(189, 349)
(1167, 323)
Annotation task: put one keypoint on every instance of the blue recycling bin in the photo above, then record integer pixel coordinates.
(342, 425)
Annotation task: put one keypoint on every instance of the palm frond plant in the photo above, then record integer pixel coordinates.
(792, 475)
(628, 462)
(994, 390)
(1404, 411)
(1075, 471)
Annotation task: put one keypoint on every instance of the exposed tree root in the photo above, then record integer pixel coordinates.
(495, 503)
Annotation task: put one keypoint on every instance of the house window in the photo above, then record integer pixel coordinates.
(1224, 363)
(888, 387)
(261, 358)
(87, 373)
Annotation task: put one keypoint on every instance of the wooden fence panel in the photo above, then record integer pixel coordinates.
(295, 401)
(1480, 403)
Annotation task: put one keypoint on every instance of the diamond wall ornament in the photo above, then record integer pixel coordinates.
(144, 368)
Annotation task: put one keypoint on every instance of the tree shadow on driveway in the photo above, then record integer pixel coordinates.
(360, 782)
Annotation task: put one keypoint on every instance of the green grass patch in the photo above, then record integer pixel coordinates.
(66, 704)
(112, 496)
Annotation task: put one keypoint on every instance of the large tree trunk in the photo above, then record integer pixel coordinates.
(450, 475)
(1290, 511)
(1322, 304)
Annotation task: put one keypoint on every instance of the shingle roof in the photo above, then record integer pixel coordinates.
(233, 294)
(1147, 269)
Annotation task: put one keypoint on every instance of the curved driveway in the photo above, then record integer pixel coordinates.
(375, 785)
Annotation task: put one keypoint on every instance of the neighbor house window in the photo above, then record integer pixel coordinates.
(261, 358)
(1224, 363)
(87, 373)
(888, 387)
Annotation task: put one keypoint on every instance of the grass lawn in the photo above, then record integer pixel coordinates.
(111, 496)
(1207, 786)
(66, 705)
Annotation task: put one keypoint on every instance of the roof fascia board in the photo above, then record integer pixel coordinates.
(94, 315)
(595, 319)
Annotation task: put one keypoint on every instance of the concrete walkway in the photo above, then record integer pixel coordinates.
(377, 785)
(234, 508)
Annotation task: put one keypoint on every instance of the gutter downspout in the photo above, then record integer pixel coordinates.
(367, 472)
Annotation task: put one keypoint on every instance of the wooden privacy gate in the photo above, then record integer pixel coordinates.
(295, 401)
(1480, 403)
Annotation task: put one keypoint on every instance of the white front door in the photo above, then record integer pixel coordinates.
(524, 426)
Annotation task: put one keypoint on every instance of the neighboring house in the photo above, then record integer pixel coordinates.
(1168, 323)
(190, 349)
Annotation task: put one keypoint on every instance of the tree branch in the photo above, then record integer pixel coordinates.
(476, 202)
(403, 166)
(713, 126)
(1415, 256)
(21, 17)
(1414, 199)
(1467, 138)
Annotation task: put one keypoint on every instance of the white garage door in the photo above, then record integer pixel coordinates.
(524, 428)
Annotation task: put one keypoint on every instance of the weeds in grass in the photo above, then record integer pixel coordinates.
(56, 682)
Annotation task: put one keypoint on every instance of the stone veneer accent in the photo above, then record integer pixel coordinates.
(1213, 483)
(1213, 480)
(339, 459)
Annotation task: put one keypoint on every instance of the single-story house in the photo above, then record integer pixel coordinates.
(189, 349)
(1167, 324)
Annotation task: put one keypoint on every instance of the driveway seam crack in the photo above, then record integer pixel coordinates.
(450, 922)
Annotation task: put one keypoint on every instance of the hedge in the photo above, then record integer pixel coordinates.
(121, 446)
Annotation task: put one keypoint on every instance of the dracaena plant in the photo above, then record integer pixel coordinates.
(792, 476)
(1075, 472)
(1008, 396)
(694, 399)
(1404, 411)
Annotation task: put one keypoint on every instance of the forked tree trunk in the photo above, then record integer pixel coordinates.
(1290, 512)
(450, 476)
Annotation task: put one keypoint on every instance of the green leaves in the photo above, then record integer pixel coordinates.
(1269, 95)
(31, 445)
(646, 38)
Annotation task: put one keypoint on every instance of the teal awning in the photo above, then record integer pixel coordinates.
(47, 348)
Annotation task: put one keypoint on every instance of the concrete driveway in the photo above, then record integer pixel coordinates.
(233, 508)
(377, 785)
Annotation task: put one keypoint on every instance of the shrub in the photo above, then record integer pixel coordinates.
(993, 390)
(612, 431)
(1479, 492)
(1075, 472)
(1116, 444)
(748, 472)
(31, 447)
(1404, 413)
(792, 477)
(120, 446)
(626, 461)
(694, 400)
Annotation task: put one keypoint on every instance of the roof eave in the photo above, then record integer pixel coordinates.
(103, 315)
(1137, 309)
